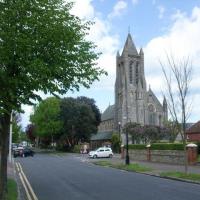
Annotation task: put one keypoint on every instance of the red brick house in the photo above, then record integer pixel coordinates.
(193, 133)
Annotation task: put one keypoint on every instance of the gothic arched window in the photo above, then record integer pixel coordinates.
(137, 73)
(131, 72)
(152, 114)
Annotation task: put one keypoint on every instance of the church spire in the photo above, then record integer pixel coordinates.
(129, 47)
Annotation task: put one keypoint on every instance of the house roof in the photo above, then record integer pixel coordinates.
(102, 136)
(108, 113)
(195, 128)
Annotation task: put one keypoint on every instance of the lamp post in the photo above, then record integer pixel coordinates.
(127, 161)
(119, 126)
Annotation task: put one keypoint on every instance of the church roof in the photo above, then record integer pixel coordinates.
(129, 46)
(107, 135)
(150, 93)
(195, 128)
(108, 113)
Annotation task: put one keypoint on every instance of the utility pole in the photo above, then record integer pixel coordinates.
(10, 139)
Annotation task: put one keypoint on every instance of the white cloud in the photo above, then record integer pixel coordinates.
(134, 2)
(161, 10)
(106, 42)
(118, 9)
(83, 9)
(181, 40)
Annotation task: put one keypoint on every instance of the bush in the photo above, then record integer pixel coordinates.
(115, 140)
(137, 146)
(76, 149)
(159, 146)
(198, 144)
(167, 146)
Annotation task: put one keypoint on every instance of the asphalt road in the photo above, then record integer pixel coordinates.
(71, 177)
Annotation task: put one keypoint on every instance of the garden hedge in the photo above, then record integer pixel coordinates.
(159, 146)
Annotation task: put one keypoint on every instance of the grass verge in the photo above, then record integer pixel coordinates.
(135, 167)
(182, 175)
(198, 158)
(12, 190)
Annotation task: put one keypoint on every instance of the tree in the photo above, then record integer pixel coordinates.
(16, 127)
(78, 121)
(178, 85)
(95, 109)
(151, 134)
(30, 132)
(46, 118)
(42, 48)
(135, 130)
(116, 143)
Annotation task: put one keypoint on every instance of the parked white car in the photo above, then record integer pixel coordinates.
(101, 152)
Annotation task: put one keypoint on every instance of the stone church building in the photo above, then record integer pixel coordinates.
(133, 102)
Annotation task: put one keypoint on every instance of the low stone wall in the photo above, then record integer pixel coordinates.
(167, 156)
(138, 154)
(164, 156)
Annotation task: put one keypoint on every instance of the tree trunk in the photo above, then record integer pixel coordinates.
(5, 123)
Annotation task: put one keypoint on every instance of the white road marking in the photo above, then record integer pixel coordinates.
(25, 180)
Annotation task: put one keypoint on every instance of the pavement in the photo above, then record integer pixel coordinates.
(160, 167)
(10, 170)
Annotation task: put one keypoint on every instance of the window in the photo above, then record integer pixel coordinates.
(137, 73)
(131, 72)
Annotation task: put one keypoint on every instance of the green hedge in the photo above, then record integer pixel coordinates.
(159, 146)
(198, 144)
(137, 146)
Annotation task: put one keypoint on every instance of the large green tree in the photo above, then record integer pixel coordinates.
(42, 48)
(78, 121)
(95, 109)
(46, 118)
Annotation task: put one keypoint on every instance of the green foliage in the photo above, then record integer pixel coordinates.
(167, 146)
(135, 130)
(137, 146)
(146, 134)
(198, 144)
(76, 148)
(116, 143)
(135, 167)
(78, 121)
(42, 48)
(46, 118)
(159, 146)
(95, 109)
(12, 190)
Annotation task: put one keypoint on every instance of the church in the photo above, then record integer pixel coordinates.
(133, 102)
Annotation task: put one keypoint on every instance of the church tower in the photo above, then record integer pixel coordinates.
(130, 86)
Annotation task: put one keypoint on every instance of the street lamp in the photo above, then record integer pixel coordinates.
(127, 160)
(119, 126)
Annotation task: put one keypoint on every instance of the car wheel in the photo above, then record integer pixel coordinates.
(110, 156)
(95, 156)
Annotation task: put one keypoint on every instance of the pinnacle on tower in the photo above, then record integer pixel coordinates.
(141, 52)
(118, 54)
(129, 47)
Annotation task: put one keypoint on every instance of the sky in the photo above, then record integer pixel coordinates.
(158, 26)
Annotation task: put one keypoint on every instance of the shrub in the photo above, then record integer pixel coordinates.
(159, 146)
(198, 144)
(115, 140)
(76, 149)
(167, 146)
(137, 146)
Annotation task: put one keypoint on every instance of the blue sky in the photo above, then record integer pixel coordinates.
(156, 26)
